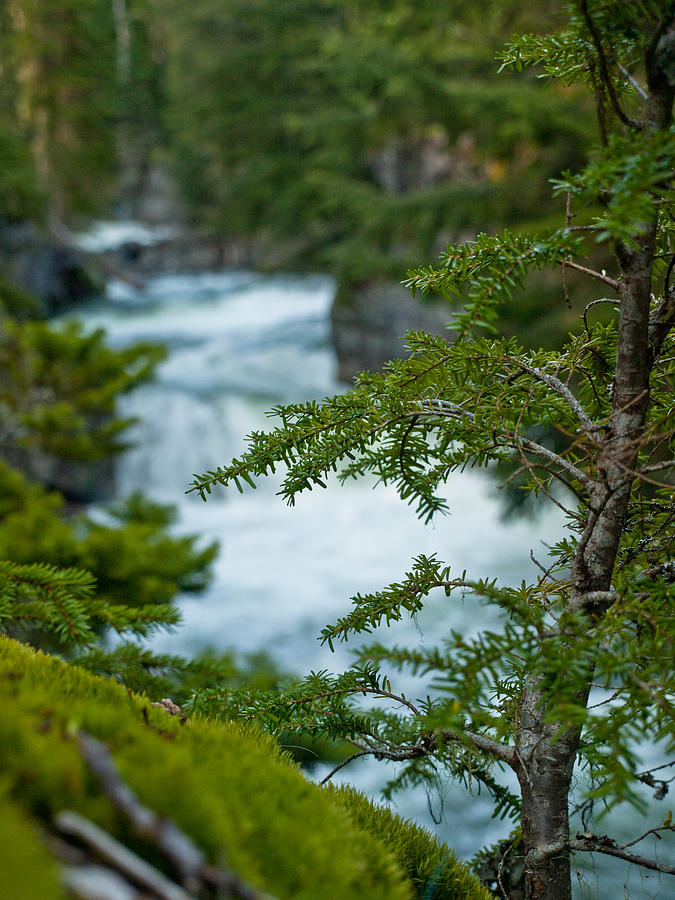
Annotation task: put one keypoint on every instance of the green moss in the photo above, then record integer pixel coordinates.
(230, 788)
(28, 870)
(433, 869)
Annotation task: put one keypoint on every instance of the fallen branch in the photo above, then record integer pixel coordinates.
(116, 856)
(97, 883)
(178, 848)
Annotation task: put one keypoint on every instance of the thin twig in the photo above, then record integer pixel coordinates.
(568, 219)
(604, 71)
(647, 833)
(595, 844)
(600, 276)
(595, 303)
(343, 763)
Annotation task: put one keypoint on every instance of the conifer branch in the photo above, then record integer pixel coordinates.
(429, 743)
(484, 744)
(454, 411)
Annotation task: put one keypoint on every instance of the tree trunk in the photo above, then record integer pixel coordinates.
(545, 766)
(545, 776)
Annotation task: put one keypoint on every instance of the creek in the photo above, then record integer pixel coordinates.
(240, 343)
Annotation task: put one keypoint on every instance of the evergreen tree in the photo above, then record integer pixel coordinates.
(362, 129)
(85, 96)
(58, 423)
(581, 669)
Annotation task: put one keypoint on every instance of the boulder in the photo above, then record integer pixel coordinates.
(45, 267)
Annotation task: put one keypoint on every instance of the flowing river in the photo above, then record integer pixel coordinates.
(240, 343)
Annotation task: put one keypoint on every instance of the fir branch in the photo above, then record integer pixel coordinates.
(390, 604)
(453, 411)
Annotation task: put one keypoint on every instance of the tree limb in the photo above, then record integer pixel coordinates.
(601, 844)
(604, 71)
(589, 427)
(480, 742)
(454, 411)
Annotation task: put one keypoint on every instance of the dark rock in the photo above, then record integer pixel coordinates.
(368, 324)
(186, 252)
(79, 482)
(45, 267)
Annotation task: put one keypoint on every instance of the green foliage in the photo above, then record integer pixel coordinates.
(433, 868)
(630, 174)
(134, 559)
(20, 196)
(230, 789)
(78, 75)
(57, 408)
(489, 270)
(16, 303)
(163, 674)
(59, 388)
(364, 129)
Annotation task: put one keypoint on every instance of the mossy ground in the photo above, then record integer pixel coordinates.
(231, 789)
(433, 869)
